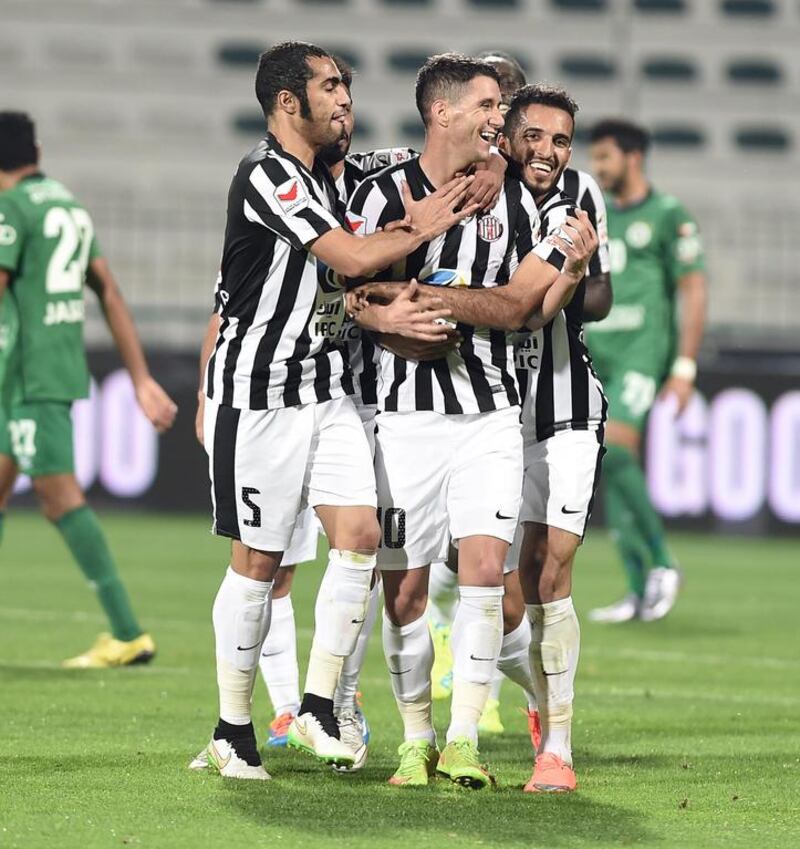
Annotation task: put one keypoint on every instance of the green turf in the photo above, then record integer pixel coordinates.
(686, 730)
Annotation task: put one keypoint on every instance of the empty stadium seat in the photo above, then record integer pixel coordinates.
(240, 54)
(581, 5)
(588, 67)
(495, 4)
(678, 135)
(408, 61)
(764, 139)
(760, 8)
(669, 69)
(668, 6)
(754, 71)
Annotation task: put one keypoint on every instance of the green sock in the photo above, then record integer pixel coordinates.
(86, 540)
(2, 518)
(631, 545)
(628, 477)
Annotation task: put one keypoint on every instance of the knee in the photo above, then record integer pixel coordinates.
(513, 611)
(283, 582)
(405, 606)
(56, 501)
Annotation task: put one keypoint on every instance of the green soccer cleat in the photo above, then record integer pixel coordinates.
(460, 762)
(442, 672)
(418, 761)
(490, 719)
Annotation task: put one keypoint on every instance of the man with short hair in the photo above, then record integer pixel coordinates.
(639, 350)
(449, 451)
(48, 251)
(279, 427)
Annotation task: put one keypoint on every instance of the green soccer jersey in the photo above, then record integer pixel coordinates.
(46, 243)
(8, 335)
(652, 245)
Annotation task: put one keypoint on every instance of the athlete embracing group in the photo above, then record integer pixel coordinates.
(396, 344)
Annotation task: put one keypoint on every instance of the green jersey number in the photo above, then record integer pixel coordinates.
(617, 255)
(74, 231)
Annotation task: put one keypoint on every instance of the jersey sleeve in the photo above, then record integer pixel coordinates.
(526, 227)
(553, 215)
(685, 247)
(377, 160)
(277, 197)
(369, 210)
(12, 235)
(594, 204)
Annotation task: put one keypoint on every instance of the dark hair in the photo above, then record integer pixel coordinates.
(443, 77)
(17, 141)
(542, 95)
(492, 57)
(345, 69)
(627, 136)
(284, 67)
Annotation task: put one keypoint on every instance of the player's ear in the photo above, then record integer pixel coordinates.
(287, 102)
(440, 113)
(504, 144)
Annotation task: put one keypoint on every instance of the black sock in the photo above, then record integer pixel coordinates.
(242, 738)
(322, 709)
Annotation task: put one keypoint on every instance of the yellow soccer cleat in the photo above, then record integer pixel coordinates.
(460, 762)
(108, 652)
(442, 672)
(490, 722)
(418, 760)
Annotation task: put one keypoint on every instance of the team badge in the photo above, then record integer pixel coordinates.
(490, 228)
(639, 234)
(356, 223)
(291, 196)
(8, 235)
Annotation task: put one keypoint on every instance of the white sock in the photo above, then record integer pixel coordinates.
(345, 697)
(241, 616)
(339, 615)
(442, 594)
(475, 640)
(496, 686)
(555, 647)
(409, 656)
(278, 660)
(515, 660)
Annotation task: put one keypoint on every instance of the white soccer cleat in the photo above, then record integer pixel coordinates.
(221, 757)
(308, 734)
(351, 733)
(622, 611)
(661, 592)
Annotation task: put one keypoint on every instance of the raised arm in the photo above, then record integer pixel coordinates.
(159, 408)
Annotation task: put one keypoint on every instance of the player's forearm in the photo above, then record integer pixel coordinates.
(208, 346)
(599, 298)
(123, 330)
(555, 299)
(501, 308)
(379, 250)
(693, 301)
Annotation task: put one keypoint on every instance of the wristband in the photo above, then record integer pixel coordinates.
(685, 368)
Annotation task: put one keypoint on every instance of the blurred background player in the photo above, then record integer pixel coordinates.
(641, 348)
(596, 296)
(48, 250)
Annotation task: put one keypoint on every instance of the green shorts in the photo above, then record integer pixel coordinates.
(41, 437)
(5, 436)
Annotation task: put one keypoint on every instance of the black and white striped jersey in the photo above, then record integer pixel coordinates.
(358, 166)
(481, 252)
(583, 189)
(280, 319)
(559, 388)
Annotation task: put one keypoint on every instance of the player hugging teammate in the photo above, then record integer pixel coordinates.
(452, 462)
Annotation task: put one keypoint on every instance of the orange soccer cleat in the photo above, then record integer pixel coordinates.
(551, 775)
(534, 729)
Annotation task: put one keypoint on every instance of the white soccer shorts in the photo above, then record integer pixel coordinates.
(442, 476)
(267, 465)
(561, 475)
(303, 544)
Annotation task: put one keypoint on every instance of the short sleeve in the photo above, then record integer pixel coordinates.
(12, 234)
(594, 204)
(370, 209)
(377, 160)
(277, 197)
(554, 214)
(685, 247)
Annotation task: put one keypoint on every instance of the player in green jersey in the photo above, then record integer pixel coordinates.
(641, 348)
(47, 252)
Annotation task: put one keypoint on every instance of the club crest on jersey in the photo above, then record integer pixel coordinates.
(356, 223)
(8, 235)
(291, 195)
(639, 234)
(490, 228)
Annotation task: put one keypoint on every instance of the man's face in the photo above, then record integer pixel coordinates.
(329, 104)
(475, 119)
(609, 165)
(338, 150)
(541, 146)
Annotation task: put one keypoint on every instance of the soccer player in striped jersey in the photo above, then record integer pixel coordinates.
(639, 349)
(279, 427)
(449, 452)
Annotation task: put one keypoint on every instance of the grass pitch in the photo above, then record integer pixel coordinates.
(687, 731)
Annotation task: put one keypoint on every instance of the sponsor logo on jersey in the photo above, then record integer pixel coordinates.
(291, 196)
(8, 235)
(356, 223)
(490, 228)
(64, 312)
(639, 234)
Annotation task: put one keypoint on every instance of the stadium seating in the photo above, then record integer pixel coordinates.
(145, 109)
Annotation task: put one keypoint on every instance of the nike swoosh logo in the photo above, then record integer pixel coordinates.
(499, 516)
(401, 672)
(302, 728)
(357, 621)
(218, 759)
(567, 512)
(548, 674)
(487, 659)
(248, 648)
